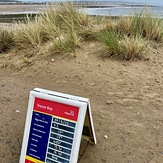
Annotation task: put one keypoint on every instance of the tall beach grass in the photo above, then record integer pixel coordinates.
(6, 40)
(123, 47)
(65, 28)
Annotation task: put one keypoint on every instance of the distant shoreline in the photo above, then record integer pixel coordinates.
(10, 11)
(89, 4)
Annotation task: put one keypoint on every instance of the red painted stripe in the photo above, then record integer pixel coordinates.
(56, 109)
(28, 161)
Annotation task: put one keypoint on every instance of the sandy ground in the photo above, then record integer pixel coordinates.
(126, 100)
(21, 8)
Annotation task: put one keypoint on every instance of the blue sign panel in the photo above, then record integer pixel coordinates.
(39, 134)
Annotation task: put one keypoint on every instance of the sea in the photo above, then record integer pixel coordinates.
(116, 7)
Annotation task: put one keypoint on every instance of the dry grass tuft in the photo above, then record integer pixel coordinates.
(6, 40)
(126, 48)
(28, 35)
(68, 14)
(66, 43)
(133, 47)
(143, 24)
(49, 24)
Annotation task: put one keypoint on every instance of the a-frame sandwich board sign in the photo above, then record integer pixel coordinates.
(54, 127)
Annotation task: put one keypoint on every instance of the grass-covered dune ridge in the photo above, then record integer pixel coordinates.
(64, 29)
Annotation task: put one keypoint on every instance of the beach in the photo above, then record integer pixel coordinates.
(21, 8)
(126, 96)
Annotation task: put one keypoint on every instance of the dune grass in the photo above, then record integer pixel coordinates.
(110, 40)
(6, 40)
(123, 48)
(144, 24)
(50, 25)
(65, 28)
(133, 48)
(28, 35)
(148, 26)
(66, 43)
(128, 37)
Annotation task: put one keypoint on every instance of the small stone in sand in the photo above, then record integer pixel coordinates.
(106, 136)
(109, 102)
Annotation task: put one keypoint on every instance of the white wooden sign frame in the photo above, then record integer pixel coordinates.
(42, 95)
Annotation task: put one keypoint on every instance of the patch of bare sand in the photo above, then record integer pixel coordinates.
(7, 26)
(22, 8)
(126, 100)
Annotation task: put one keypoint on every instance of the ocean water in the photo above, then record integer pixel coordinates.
(127, 7)
(121, 11)
(121, 7)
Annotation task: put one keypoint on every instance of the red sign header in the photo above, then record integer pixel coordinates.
(56, 109)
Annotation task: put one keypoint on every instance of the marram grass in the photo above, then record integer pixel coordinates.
(132, 47)
(64, 28)
(28, 35)
(144, 24)
(6, 40)
(50, 25)
(125, 48)
(66, 43)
